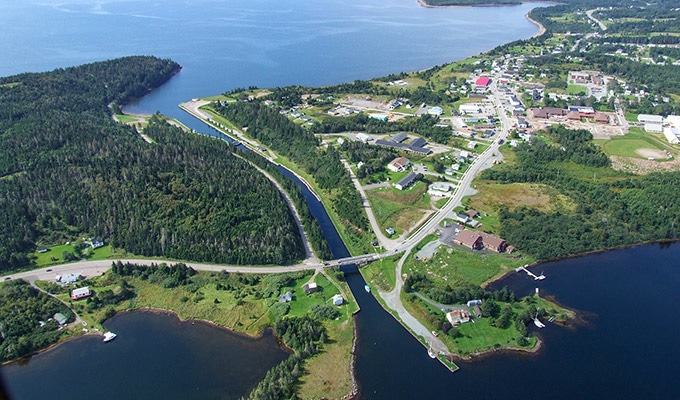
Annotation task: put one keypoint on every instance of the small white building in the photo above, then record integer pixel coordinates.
(654, 119)
(80, 293)
(672, 135)
(470, 108)
(338, 300)
(439, 189)
(652, 127)
(471, 144)
(68, 278)
(364, 137)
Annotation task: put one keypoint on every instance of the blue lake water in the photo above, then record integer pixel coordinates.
(627, 350)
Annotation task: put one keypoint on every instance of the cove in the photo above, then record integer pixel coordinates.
(155, 356)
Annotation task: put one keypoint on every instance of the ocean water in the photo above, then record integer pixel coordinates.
(223, 45)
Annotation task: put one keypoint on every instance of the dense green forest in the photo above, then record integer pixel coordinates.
(276, 131)
(67, 169)
(22, 309)
(613, 211)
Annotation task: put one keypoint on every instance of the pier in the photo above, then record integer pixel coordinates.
(531, 274)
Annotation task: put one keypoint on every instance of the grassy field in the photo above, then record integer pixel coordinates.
(630, 144)
(381, 273)
(577, 89)
(482, 336)
(491, 195)
(457, 266)
(399, 209)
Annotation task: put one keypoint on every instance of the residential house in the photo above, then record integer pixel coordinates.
(337, 300)
(399, 164)
(310, 288)
(493, 242)
(286, 297)
(60, 318)
(469, 239)
(472, 213)
(457, 317)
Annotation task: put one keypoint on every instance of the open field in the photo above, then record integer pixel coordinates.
(399, 209)
(381, 273)
(542, 197)
(634, 145)
(456, 266)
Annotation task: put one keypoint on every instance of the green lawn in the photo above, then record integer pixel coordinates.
(577, 89)
(481, 335)
(381, 273)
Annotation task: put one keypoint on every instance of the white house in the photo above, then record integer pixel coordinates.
(439, 189)
(654, 119)
(338, 300)
(471, 144)
(364, 137)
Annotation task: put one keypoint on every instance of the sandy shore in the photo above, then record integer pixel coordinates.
(541, 28)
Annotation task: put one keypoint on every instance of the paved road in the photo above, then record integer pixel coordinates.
(94, 268)
(483, 161)
(589, 13)
(384, 241)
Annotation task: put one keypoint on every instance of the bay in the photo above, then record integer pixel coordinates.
(155, 356)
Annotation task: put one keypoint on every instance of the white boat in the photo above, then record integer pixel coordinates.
(538, 323)
(367, 288)
(431, 353)
(109, 336)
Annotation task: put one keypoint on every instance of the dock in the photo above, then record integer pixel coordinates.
(531, 274)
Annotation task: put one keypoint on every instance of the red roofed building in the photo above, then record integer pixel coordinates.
(483, 83)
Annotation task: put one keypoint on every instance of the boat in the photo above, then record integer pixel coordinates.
(431, 353)
(367, 288)
(538, 323)
(109, 336)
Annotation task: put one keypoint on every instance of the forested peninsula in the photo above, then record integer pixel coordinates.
(69, 170)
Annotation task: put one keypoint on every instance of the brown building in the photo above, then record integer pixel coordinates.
(469, 239)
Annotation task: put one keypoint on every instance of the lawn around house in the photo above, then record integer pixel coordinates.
(55, 254)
